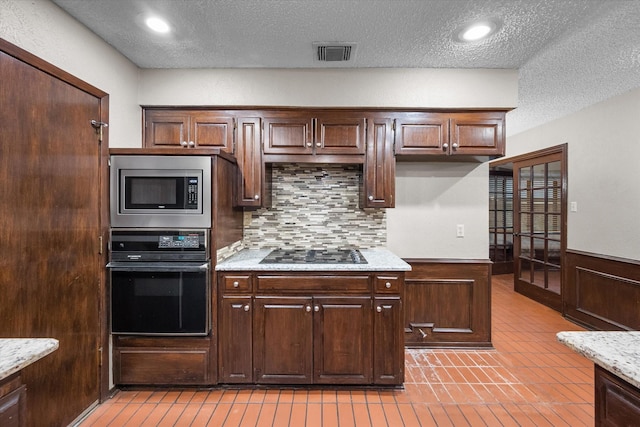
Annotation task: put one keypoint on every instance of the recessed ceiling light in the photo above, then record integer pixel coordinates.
(158, 25)
(477, 31)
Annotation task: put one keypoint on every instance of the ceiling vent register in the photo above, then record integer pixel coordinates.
(334, 52)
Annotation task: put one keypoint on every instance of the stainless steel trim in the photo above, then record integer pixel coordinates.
(158, 266)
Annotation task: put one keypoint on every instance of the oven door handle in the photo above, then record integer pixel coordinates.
(159, 266)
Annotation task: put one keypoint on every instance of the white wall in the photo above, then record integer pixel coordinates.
(603, 173)
(45, 30)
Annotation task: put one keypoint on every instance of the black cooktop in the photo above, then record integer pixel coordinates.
(314, 256)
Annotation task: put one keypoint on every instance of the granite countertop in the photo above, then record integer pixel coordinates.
(18, 353)
(377, 260)
(617, 352)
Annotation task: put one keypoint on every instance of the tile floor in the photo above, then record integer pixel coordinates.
(529, 379)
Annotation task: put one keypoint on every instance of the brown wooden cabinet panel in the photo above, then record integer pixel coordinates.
(388, 342)
(13, 402)
(477, 133)
(288, 134)
(250, 181)
(235, 335)
(188, 129)
(283, 337)
(161, 366)
(380, 165)
(617, 403)
(448, 303)
(342, 340)
(339, 133)
(422, 133)
(314, 282)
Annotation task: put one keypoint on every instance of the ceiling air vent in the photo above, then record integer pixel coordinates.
(328, 52)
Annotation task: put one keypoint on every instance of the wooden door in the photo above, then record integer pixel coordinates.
(388, 342)
(166, 128)
(422, 133)
(380, 165)
(249, 182)
(235, 340)
(292, 134)
(50, 225)
(342, 340)
(212, 129)
(477, 133)
(337, 133)
(283, 337)
(540, 227)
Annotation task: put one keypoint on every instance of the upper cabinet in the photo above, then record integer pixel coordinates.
(314, 134)
(474, 133)
(379, 170)
(188, 128)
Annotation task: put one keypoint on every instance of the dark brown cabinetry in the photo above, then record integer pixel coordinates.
(13, 402)
(311, 328)
(448, 303)
(251, 169)
(474, 133)
(188, 129)
(617, 403)
(314, 133)
(379, 173)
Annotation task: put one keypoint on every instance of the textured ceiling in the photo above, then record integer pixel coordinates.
(570, 53)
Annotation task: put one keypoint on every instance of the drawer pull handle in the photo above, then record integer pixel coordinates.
(387, 285)
(308, 309)
(236, 284)
(316, 308)
(379, 309)
(246, 307)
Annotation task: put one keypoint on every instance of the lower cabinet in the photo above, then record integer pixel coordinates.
(617, 403)
(311, 339)
(13, 398)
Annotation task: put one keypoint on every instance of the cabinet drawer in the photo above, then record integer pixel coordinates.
(387, 284)
(240, 283)
(161, 366)
(315, 283)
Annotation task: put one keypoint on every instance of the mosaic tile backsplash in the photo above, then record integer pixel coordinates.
(315, 206)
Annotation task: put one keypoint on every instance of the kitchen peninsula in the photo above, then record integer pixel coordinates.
(324, 321)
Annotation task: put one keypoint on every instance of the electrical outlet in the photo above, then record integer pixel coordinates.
(460, 230)
(574, 207)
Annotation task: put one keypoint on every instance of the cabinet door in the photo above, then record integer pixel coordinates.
(211, 129)
(342, 340)
(288, 135)
(380, 165)
(422, 134)
(13, 408)
(166, 128)
(477, 133)
(235, 340)
(337, 133)
(388, 342)
(250, 166)
(283, 333)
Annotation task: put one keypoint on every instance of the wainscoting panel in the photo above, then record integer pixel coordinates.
(448, 303)
(602, 293)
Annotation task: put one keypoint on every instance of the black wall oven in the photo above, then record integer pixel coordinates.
(160, 282)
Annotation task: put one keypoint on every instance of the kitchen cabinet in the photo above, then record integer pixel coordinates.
(471, 133)
(250, 182)
(379, 170)
(188, 128)
(13, 398)
(617, 402)
(311, 328)
(321, 135)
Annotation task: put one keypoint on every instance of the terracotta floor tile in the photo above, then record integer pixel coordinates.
(392, 414)
(440, 415)
(204, 414)
(155, 417)
(286, 396)
(172, 415)
(314, 415)
(361, 415)
(408, 415)
(329, 396)
(298, 415)
(300, 396)
(188, 415)
(257, 396)
(243, 396)
(329, 414)
(283, 414)
(220, 414)
(345, 415)
(457, 417)
(251, 414)
(265, 419)
(376, 415)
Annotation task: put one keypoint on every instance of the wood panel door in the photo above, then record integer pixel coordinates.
(540, 227)
(342, 340)
(235, 340)
(50, 225)
(379, 166)
(283, 336)
(388, 341)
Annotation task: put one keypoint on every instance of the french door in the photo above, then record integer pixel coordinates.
(540, 226)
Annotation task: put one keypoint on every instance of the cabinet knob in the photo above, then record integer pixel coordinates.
(318, 144)
(309, 144)
(445, 146)
(256, 197)
(387, 285)
(316, 308)
(192, 144)
(183, 143)
(246, 307)
(308, 309)
(370, 197)
(379, 309)
(236, 284)
(454, 145)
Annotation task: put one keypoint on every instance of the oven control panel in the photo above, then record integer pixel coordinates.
(189, 241)
(158, 245)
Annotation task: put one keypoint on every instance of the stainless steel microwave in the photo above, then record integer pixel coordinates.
(160, 191)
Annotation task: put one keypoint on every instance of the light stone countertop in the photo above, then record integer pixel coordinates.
(377, 260)
(617, 352)
(18, 353)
